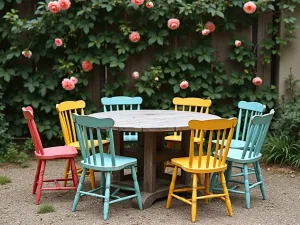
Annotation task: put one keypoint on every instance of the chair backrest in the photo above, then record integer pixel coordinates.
(65, 110)
(246, 111)
(259, 126)
(191, 105)
(220, 129)
(28, 114)
(90, 128)
(121, 103)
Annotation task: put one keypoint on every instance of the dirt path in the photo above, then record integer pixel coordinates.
(17, 204)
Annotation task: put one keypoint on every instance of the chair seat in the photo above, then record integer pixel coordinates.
(234, 143)
(178, 138)
(235, 155)
(121, 163)
(184, 164)
(76, 144)
(59, 152)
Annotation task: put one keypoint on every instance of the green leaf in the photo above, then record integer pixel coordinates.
(151, 40)
(176, 88)
(2, 4)
(160, 41)
(172, 81)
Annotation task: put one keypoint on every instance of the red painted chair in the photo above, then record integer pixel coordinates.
(44, 154)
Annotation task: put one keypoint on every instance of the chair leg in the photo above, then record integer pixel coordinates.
(228, 172)
(36, 177)
(40, 182)
(102, 182)
(213, 182)
(206, 189)
(107, 195)
(92, 179)
(77, 196)
(74, 172)
(227, 199)
(199, 178)
(247, 189)
(194, 198)
(172, 187)
(137, 188)
(260, 178)
(67, 169)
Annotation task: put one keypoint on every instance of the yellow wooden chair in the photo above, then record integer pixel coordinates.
(191, 105)
(65, 110)
(221, 129)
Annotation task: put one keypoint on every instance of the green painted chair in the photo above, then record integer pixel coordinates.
(119, 103)
(90, 128)
(251, 154)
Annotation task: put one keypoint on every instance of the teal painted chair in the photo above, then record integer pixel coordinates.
(90, 128)
(119, 103)
(246, 111)
(251, 154)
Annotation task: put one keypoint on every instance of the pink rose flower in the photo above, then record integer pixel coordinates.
(74, 80)
(156, 78)
(205, 32)
(137, 2)
(173, 24)
(238, 43)
(149, 5)
(58, 42)
(210, 26)
(67, 84)
(64, 4)
(27, 54)
(257, 81)
(54, 7)
(87, 66)
(184, 84)
(249, 7)
(134, 37)
(135, 75)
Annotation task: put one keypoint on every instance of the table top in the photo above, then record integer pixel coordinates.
(153, 120)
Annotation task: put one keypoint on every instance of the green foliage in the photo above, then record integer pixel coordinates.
(46, 208)
(5, 138)
(15, 155)
(4, 180)
(283, 150)
(284, 145)
(98, 31)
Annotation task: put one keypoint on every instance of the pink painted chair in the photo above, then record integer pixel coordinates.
(44, 154)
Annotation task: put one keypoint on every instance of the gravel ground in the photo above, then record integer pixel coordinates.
(17, 203)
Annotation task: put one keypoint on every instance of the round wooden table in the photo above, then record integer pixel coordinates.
(152, 125)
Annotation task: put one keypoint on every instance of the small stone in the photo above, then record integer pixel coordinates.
(292, 175)
(291, 172)
(268, 169)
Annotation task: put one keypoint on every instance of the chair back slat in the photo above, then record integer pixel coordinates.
(246, 111)
(216, 127)
(65, 111)
(193, 104)
(90, 128)
(36, 139)
(124, 103)
(259, 126)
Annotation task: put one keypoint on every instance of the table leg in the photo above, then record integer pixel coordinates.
(119, 147)
(149, 161)
(140, 162)
(185, 146)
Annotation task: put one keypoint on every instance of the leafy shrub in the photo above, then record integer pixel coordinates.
(5, 138)
(4, 180)
(288, 121)
(282, 150)
(14, 154)
(46, 208)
